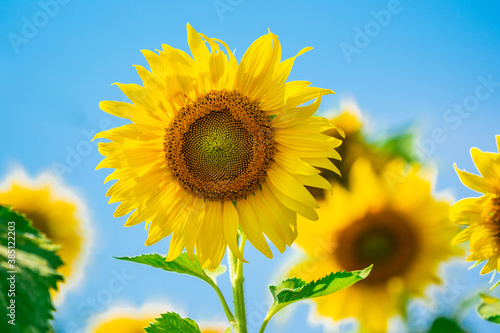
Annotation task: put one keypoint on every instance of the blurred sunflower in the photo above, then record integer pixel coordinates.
(481, 216)
(390, 220)
(357, 143)
(55, 211)
(216, 145)
(132, 320)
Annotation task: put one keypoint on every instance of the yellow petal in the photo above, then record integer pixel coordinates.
(296, 206)
(477, 183)
(230, 223)
(289, 186)
(251, 227)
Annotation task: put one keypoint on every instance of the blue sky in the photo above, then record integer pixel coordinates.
(429, 65)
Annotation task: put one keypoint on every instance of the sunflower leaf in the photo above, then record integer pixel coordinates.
(182, 265)
(447, 325)
(489, 308)
(293, 290)
(171, 322)
(28, 264)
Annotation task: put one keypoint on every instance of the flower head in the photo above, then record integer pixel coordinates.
(135, 320)
(390, 220)
(481, 216)
(216, 145)
(357, 142)
(57, 212)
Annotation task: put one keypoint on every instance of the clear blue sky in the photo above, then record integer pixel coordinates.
(433, 64)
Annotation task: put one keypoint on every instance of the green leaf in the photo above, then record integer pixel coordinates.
(182, 265)
(294, 289)
(33, 271)
(447, 325)
(171, 322)
(399, 145)
(489, 308)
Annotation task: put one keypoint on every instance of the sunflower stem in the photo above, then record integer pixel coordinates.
(236, 268)
(264, 324)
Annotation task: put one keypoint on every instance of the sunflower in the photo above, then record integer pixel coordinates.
(133, 320)
(57, 212)
(481, 216)
(390, 220)
(215, 146)
(357, 142)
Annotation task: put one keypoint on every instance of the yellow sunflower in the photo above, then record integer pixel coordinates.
(357, 143)
(132, 320)
(390, 220)
(215, 145)
(481, 216)
(58, 213)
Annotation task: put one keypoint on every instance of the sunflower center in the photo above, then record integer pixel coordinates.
(220, 146)
(384, 239)
(376, 246)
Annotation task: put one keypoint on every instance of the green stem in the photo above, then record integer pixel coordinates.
(272, 311)
(227, 311)
(264, 324)
(236, 270)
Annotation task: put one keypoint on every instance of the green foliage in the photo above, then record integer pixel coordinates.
(182, 265)
(489, 308)
(171, 322)
(33, 271)
(399, 145)
(294, 290)
(442, 324)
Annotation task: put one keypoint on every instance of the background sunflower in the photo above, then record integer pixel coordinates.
(57, 212)
(134, 320)
(390, 220)
(481, 215)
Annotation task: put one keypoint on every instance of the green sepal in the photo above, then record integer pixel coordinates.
(171, 322)
(35, 266)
